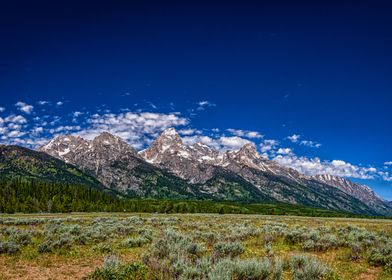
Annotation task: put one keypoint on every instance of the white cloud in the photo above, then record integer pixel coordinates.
(284, 151)
(388, 163)
(314, 166)
(268, 145)
(294, 138)
(14, 126)
(65, 129)
(202, 105)
(138, 129)
(43, 102)
(311, 144)
(385, 175)
(245, 133)
(233, 143)
(37, 130)
(209, 141)
(24, 107)
(15, 133)
(152, 105)
(59, 103)
(15, 119)
(221, 143)
(2, 109)
(76, 114)
(189, 131)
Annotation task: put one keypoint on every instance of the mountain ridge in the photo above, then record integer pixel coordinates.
(198, 170)
(19, 162)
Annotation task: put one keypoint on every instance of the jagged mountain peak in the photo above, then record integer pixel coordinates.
(63, 138)
(169, 137)
(71, 148)
(200, 146)
(109, 140)
(247, 155)
(171, 131)
(167, 143)
(249, 151)
(106, 135)
(62, 145)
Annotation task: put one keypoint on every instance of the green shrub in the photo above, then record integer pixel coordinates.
(231, 249)
(45, 247)
(308, 268)
(355, 252)
(252, 269)
(134, 242)
(21, 237)
(223, 270)
(9, 247)
(103, 248)
(114, 270)
(382, 256)
(278, 270)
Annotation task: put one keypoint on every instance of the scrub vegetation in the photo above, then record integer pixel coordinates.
(193, 246)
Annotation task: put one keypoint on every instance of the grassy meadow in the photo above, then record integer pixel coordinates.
(193, 246)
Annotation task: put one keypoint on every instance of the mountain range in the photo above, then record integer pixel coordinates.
(168, 168)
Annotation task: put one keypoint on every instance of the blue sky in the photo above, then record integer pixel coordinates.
(308, 83)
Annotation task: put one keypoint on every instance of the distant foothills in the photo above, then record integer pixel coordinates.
(70, 173)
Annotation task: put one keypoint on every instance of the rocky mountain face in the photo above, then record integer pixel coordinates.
(116, 165)
(94, 156)
(169, 168)
(191, 163)
(359, 191)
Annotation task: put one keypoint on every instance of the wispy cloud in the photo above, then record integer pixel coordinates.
(43, 102)
(77, 114)
(190, 131)
(311, 144)
(295, 138)
(268, 145)
(152, 105)
(284, 151)
(245, 133)
(202, 105)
